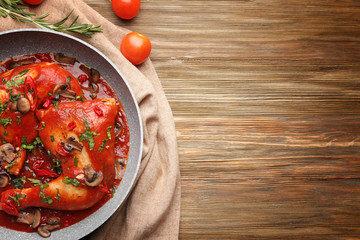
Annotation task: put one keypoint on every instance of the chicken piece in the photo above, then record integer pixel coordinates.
(46, 76)
(17, 118)
(88, 164)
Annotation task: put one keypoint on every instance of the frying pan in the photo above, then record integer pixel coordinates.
(30, 41)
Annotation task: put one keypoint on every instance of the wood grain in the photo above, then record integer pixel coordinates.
(266, 101)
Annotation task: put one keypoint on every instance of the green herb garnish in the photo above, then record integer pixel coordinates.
(47, 200)
(34, 181)
(3, 107)
(18, 118)
(9, 165)
(57, 165)
(68, 81)
(88, 135)
(18, 182)
(14, 97)
(71, 181)
(58, 197)
(42, 126)
(5, 121)
(30, 146)
(16, 80)
(108, 133)
(17, 10)
(80, 97)
(17, 197)
(76, 160)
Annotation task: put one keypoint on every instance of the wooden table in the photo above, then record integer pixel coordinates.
(266, 100)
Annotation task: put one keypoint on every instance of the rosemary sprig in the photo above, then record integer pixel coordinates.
(17, 10)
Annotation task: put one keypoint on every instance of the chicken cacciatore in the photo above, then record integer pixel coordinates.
(64, 142)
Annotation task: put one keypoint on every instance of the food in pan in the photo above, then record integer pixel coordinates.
(64, 142)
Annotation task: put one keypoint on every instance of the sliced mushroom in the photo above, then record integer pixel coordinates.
(71, 144)
(62, 90)
(118, 129)
(53, 221)
(61, 58)
(33, 218)
(7, 152)
(85, 69)
(45, 229)
(121, 161)
(95, 75)
(23, 105)
(92, 178)
(20, 63)
(13, 106)
(92, 73)
(4, 180)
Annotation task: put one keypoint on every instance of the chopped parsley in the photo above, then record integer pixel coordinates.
(42, 126)
(56, 103)
(88, 135)
(76, 160)
(108, 133)
(57, 165)
(30, 146)
(3, 107)
(18, 182)
(9, 165)
(18, 118)
(47, 199)
(68, 81)
(71, 181)
(22, 73)
(34, 181)
(17, 80)
(58, 197)
(5, 133)
(80, 97)
(15, 83)
(52, 138)
(5, 121)
(17, 197)
(37, 182)
(14, 97)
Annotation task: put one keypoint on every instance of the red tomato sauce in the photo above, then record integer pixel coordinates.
(40, 158)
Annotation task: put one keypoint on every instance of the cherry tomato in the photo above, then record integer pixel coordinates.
(126, 9)
(136, 47)
(33, 2)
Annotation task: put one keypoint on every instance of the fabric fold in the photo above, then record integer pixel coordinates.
(152, 210)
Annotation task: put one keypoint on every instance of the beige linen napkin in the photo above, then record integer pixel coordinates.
(152, 210)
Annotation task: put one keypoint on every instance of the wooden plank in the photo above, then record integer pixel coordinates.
(266, 100)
